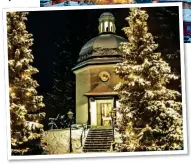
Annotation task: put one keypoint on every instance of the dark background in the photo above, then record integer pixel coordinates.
(69, 30)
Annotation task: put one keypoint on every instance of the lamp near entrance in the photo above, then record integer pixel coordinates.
(113, 113)
(70, 116)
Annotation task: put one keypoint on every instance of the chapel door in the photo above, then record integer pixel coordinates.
(103, 112)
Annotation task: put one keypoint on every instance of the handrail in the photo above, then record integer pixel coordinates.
(83, 131)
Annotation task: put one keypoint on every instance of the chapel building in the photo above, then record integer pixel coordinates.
(95, 77)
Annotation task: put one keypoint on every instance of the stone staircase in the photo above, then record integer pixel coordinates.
(98, 140)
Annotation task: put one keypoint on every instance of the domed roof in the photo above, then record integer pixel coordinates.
(106, 14)
(110, 41)
(103, 49)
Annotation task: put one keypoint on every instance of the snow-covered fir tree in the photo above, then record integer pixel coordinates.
(25, 104)
(150, 113)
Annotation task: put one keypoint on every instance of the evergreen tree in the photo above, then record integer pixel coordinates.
(151, 114)
(62, 97)
(25, 104)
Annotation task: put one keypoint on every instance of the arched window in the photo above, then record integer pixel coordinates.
(111, 26)
(101, 27)
(106, 24)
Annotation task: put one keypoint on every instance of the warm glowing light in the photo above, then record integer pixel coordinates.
(28, 94)
(22, 107)
(13, 94)
(25, 139)
(175, 145)
(131, 75)
(178, 130)
(111, 26)
(101, 27)
(106, 24)
(24, 75)
(22, 39)
(131, 145)
(132, 133)
(93, 113)
(10, 89)
(153, 144)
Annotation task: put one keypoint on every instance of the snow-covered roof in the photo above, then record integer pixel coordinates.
(187, 15)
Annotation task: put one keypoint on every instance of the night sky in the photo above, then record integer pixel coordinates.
(50, 27)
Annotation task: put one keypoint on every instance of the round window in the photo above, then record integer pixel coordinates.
(104, 76)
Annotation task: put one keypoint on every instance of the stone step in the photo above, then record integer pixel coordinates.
(96, 150)
(96, 132)
(99, 142)
(97, 137)
(100, 134)
(94, 145)
(101, 130)
(99, 148)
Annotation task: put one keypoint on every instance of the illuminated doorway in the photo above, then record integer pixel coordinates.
(100, 112)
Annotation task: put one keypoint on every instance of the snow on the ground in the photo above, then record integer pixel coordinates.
(58, 141)
(118, 139)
